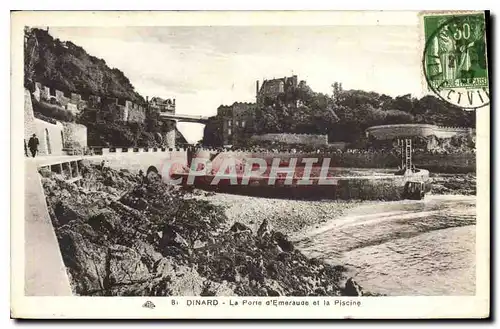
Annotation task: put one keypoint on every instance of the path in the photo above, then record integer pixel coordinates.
(45, 273)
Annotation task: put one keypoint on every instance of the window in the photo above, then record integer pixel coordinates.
(237, 123)
(243, 124)
(229, 123)
(229, 131)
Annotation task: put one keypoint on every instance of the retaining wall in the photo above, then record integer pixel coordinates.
(410, 130)
(293, 138)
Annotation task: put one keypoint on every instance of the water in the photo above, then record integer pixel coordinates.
(404, 248)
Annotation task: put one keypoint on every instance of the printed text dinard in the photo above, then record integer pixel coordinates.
(339, 302)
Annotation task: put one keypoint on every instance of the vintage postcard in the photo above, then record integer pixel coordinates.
(240, 165)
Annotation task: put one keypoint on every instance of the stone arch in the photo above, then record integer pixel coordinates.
(47, 141)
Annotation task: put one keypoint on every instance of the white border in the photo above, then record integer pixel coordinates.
(394, 307)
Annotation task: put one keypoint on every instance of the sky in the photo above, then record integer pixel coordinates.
(203, 67)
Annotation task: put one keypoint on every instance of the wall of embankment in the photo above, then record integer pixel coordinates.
(443, 163)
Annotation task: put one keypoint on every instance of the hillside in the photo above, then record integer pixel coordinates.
(68, 67)
(346, 114)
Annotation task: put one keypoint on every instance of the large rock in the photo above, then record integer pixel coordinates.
(273, 288)
(264, 229)
(107, 222)
(170, 237)
(352, 288)
(283, 242)
(238, 227)
(85, 261)
(65, 213)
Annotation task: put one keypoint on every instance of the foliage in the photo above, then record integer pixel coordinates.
(69, 68)
(346, 114)
(52, 111)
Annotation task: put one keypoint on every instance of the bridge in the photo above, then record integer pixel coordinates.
(184, 117)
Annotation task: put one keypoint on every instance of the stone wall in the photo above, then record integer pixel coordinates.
(29, 118)
(170, 138)
(50, 137)
(410, 130)
(74, 135)
(293, 138)
(75, 103)
(136, 114)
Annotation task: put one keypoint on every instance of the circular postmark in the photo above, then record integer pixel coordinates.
(454, 61)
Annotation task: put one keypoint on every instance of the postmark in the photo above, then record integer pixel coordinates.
(455, 62)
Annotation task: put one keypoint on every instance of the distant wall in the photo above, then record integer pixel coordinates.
(293, 138)
(452, 163)
(409, 130)
(445, 163)
(75, 103)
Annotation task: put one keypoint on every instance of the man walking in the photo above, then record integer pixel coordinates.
(33, 145)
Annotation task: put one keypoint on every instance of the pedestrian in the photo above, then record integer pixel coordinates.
(33, 145)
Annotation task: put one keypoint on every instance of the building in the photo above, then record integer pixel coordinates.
(281, 91)
(236, 121)
(162, 105)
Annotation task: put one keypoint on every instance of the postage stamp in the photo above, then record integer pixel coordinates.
(455, 60)
(218, 165)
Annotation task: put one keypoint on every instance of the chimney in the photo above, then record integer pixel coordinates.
(257, 87)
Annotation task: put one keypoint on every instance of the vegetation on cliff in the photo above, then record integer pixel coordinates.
(69, 68)
(122, 234)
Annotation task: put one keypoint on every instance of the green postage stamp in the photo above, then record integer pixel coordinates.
(455, 58)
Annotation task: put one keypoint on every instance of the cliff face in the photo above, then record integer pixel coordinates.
(121, 234)
(69, 68)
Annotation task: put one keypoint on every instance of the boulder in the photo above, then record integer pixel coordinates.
(264, 229)
(65, 213)
(170, 237)
(85, 261)
(273, 288)
(352, 288)
(283, 242)
(238, 227)
(186, 282)
(107, 221)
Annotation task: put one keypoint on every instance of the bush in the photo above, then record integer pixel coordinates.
(52, 111)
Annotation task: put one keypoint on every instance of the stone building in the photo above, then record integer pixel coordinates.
(162, 105)
(276, 91)
(237, 120)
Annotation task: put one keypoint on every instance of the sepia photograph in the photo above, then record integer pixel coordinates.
(281, 159)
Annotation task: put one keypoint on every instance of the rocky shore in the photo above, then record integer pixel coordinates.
(292, 217)
(124, 235)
